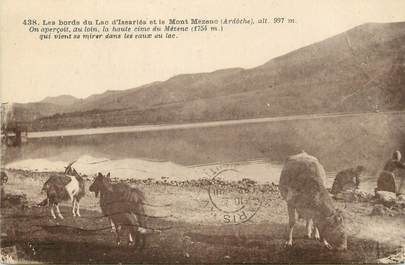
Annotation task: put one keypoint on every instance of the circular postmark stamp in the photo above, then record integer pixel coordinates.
(234, 197)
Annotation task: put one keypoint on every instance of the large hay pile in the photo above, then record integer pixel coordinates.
(392, 182)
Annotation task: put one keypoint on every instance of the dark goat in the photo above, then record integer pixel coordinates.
(123, 205)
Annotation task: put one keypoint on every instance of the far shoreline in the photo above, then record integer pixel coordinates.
(194, 125)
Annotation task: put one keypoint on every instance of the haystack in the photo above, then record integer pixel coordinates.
(392, 182)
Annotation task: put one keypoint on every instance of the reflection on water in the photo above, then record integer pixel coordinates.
(186, 147)
(338, 142)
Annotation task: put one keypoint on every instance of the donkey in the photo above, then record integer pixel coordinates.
(123, 205)
(58, 188)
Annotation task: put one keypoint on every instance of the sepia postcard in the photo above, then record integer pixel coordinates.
(202, 132)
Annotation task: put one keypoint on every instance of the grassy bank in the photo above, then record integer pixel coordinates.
(192, 231)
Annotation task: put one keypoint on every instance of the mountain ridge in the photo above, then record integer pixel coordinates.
(361, 69)
(62, 100)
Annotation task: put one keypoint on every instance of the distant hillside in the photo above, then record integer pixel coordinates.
(62, 100)
(360, 70)
(33, 111)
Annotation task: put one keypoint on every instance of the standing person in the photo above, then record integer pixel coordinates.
(394, 163)
(347, 180)
(3, 180)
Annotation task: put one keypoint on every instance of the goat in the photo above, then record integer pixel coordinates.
(123, 205)
(58, 188)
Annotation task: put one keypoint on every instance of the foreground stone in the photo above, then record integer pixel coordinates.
(386, 198)
(354, 196)
(396, 258)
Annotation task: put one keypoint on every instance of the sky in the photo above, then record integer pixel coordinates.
(31, 70)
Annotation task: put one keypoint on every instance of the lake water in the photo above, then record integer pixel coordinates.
(257, 149)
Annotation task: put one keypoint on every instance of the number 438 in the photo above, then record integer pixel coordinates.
(30, 22)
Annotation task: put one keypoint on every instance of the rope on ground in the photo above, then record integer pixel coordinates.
(156, 205)
(65, 228)
(140, 202)
(117, 213)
